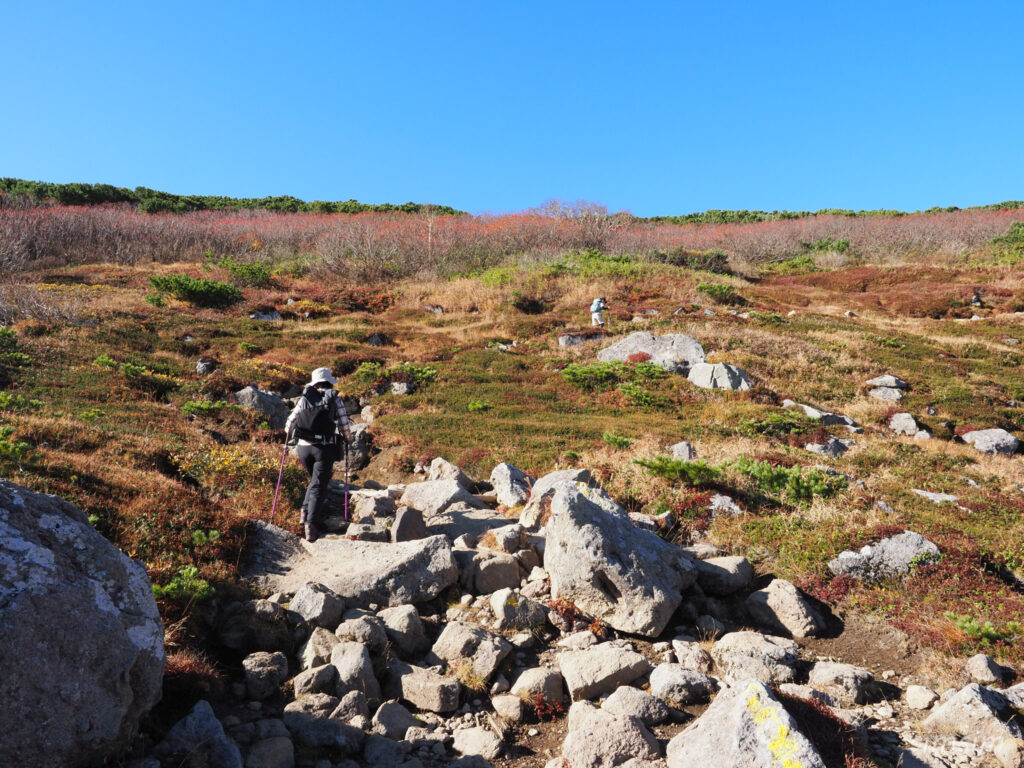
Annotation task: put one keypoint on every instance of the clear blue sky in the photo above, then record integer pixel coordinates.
(656, 108)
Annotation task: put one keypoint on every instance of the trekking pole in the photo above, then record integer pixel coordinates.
(346, 479)
(280, 474)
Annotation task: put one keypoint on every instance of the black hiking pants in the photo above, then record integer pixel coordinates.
(319, 463)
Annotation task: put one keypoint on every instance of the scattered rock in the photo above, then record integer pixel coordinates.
(682, 450)
(886, 394)
(264, 673)
(976, 714)
(680, 686)
(434, 497)
(362, 572)
(629, 578)
(782, 607)
(539, 681)
(742, 655)
(919, 697)
(601, 739)
(460, 643)
(422, 688)
(80, 634)
(205, 366)
(993, 441)
(904, 424)
(936, 498)
(355, 670)
(627, 701)
(724, 575)
(744, 726)
(198, 738)
(719, 376)
(849, 684)
(536, 509)
(981, 668)
(405, 629)
(675, 352)
(310, 723)
(888, 559)
(393, 720)
(832, 447)
(889, 381)
(516, 611)
(408, 525)
(270, 405)
(599, 670)
(511, 485)
(318, 605)
(477, 741)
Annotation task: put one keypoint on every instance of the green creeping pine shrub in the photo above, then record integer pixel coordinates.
(717, 292)
(1013, 236)
(13, 402)
(201, 538)
(9, 354)
(603, 375)
(616, 441)
(796, 265)
(793, 483)
(478, 405)
(105, 361)
(203, 407)
(368, 373)
(156, 299)
(828, 244)
(635, 394)
(249, 348)
(418, 372)
(774, 425)
(245, 273)
(689, 472)
(10, 449)
(198, 291)
(186, 585)
(986, 633)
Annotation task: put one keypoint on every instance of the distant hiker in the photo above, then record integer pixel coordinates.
(317, 421)
(597, 307)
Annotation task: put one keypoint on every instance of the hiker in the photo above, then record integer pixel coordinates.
(597, 306)
(316, 423)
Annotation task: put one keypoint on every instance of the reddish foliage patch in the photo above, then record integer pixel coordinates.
(832, 590)
(545, 709)
(639, 357)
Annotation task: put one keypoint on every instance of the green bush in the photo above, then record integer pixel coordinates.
(9, 401)
(796, 265)
(604, 375)
(636, 394)
(1013, 236)
(11, 450)
(203, 407)
(105, 361)
(792, 483)
(617, 441)
(828, 244)
(476, 406)
(10, 354)
(775, 425)
(369, 372)
(717, 292)
(156, 299)
(185, 586)
(678, 470)
(418, 372)
(197, 291)
(715, 260)
(245, 273)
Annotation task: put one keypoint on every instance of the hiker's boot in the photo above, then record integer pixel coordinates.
(311, 532)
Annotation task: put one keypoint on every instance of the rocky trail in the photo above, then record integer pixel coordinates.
(518, 622)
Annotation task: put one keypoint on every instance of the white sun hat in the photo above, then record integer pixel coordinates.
(322, 374)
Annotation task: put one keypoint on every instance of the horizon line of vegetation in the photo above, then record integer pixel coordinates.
(155, 201)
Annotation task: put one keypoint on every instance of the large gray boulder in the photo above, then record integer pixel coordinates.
(890, 558)
(744, 726)
(600, 669)
(362, 572)
(627, 701)
(270, 405)
(311, 723)
(422, 688)
(974, 713)
(719, 376)
(782, 607)
(462, 643)
(434, 497)
(511, 485)
(405, 629)
(744, 655)
(355, 670)
(993, 441)
(358, 447)
(602, 740)
(318, 605)
(196, 739)
(629, 578)
(675, 352)
(81, 642)
(680, 686)
(442, 469)
(724, 575)
(534, 513)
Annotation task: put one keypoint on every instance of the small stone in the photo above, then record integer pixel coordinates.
(919, 697)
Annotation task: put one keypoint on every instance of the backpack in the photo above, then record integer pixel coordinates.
(316, 423)
(597, 305)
